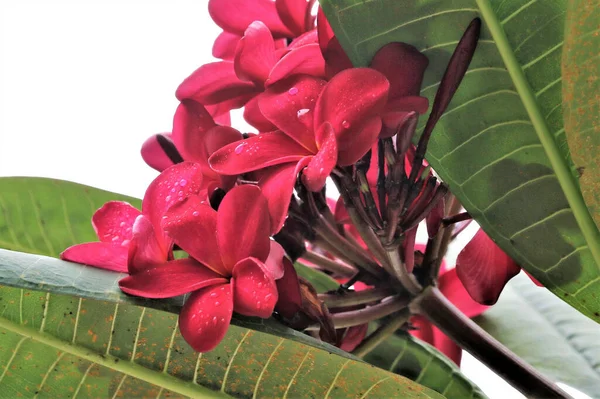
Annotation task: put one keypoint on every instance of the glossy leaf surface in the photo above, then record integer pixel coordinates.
(501, 144)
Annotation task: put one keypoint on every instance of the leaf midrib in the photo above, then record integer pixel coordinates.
(563, 173)
(114, 363)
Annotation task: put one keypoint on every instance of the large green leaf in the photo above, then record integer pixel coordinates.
(524, 307)
(581, 102)
(58, 345)
(501, 144)
(43, 216)
(408, 356)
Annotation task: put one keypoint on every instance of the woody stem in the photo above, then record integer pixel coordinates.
(441, 312)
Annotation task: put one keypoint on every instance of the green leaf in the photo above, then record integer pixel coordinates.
(320, 281)
(524, 307)
(501, 144)
(421, 362)
(581, 103)
(55, 345)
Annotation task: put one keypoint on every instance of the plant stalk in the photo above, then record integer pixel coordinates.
(382, 333)
(441, 312)
(355, 297)
(337, 268)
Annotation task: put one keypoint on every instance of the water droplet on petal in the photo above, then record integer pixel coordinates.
(302, 112)
(293, 91)
(195, 213)
(200, 330)
(125, 243)
(122, 224)
(217, 303)
(239, 148)
(173, 190)
(215, 320)
(258, 304)
(168, 198)
(182, 182)
(213, 294)
(268, 296)
(180, 193)
(345, 124)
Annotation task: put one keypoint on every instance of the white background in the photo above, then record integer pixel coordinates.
(84, 83)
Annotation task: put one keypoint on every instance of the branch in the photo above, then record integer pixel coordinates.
(441, 312)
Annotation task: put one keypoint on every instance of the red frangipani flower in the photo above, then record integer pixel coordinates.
(257, 63)
(233, 265)
(287, 19)
(321, 125)
(131, 240)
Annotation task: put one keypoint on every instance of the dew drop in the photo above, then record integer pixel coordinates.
(125, 243)
(268, 296)
(258, 304)
(122, 224)
(200, 330)
(213, 294)
(180, 193)
(173, 190)
(302, 112)
(195, 213)
(115, 238)
(217, 303)
(345, 124)
(168, 198)
(182, 182)
(215, 320)
(239, 148)
(293, 91)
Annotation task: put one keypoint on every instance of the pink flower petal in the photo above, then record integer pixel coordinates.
(255, 54)
(170, 279)
(289, 105)
(351, 99)
(98, 254)
(224, 45)
(322, 164)
(243, 226)
(484, 269)
(335, 58)
(254, 290)
(277, 185)
(220, 111)
(192, 224)
(403, 65)
(353, 337)
(274, 263)
(423, 329)
(310, 37)
(145, 250)
(190, 124)
(256, 152)
(452, 288)
(235, 15)
(205, 317)
(254, 117)
(290, 298)
(214, 83)
(305, 59)
(173, 185)
(113, 222)
(434, 219)
(445, 345)
(355, 143)
(293, 14)
(156, 149)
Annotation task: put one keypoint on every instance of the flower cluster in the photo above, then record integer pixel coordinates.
(242, 207)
